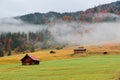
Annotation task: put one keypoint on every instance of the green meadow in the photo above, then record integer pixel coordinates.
(95, 67)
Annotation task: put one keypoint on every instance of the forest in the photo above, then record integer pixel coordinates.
(24, 42)
(90, 15)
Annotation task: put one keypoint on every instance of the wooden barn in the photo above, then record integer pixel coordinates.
(79, 50)
(29, 60)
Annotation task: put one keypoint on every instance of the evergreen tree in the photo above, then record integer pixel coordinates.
(1, 53)
(9, 53)
(32, 49)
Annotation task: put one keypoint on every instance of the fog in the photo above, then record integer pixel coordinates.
(72, 33)
(13, 25)
(76, 33)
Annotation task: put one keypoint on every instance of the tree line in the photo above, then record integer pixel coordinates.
(23, 42)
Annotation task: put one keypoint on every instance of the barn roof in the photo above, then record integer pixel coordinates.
(80, 49)
(32, 57)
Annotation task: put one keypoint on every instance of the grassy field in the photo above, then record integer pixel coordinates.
(95, 67)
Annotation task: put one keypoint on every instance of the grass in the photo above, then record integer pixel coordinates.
(95, 67)
(63, 66)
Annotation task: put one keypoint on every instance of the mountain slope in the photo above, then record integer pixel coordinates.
(97, 14)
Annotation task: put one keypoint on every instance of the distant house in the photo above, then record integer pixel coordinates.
(79, 50)
(29, 60)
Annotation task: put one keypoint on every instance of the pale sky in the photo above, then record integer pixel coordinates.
(10, 8)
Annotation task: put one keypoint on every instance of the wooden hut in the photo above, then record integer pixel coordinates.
(29, 60)
(79, 50)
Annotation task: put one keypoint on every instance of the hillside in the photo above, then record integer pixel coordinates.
(65, 53)
(105, 12)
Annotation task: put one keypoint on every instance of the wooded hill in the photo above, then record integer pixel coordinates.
(99, 13)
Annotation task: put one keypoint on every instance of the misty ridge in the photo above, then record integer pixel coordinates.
(73, 33)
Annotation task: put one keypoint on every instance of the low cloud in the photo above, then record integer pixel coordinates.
(69, 33)
(83, 34)
(13, 25)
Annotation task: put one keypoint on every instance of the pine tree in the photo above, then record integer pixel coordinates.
(1, 53)
(32, 49)
(9, 53)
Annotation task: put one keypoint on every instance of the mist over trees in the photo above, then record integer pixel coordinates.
(24, 42)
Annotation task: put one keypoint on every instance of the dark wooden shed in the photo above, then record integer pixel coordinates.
(80, 50)
(29, 60)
